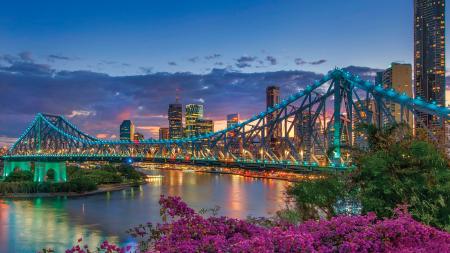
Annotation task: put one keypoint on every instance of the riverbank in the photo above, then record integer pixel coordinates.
(101, 189)
(284, 176)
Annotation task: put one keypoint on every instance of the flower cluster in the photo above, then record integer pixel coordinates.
(187, 231)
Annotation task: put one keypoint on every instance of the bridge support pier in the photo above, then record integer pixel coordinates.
(10, 166)
(41, 169)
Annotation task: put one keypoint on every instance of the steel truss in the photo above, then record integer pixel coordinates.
(314, 127)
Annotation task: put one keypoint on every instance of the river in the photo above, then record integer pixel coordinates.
(29, 225)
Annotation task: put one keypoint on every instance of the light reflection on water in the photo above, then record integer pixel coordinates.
(32, 224)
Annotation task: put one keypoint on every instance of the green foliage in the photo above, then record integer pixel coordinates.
(103, 177)
(408, 172)
(19, 176)
(106, 174)
(79, 180)
(395, 169)
(129, 173)
(289, 216)
(78, 185)
(81, 184)
(316, 198)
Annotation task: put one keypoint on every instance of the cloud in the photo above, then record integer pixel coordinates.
(108, 62)
(28, 68)
(172, 63)
(272, 60)
(102, 136)
(242, 65)
(10, 59)
(213, 56)
(97, 103)
(7, 141)
(219, 63)
(82, 113)
(53, 57)
(364, 72)
(26, 56)
(152, 131)
(146, 70)
(299, 61)
(318, 62)
(194, 59)
(245, 61)
(23, 63)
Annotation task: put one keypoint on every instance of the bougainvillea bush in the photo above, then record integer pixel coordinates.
(184, 230)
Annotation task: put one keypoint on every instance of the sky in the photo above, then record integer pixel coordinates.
(99, 62)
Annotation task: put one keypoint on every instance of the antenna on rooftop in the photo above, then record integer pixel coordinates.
(177, 95)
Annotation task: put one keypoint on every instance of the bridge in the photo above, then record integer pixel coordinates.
(311, 130)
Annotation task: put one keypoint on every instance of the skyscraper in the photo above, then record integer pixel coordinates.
(127, 130)
(398, 77)
(175, 116)
(203, 126)
(232, 119)
(273, 98)
(164, 133)
(235, 144)
(138, 136)
(193, 112)
(429, 56)
(379, 77)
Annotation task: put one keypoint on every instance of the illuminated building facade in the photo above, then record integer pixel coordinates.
(203, 126)
(429, 57)
(164, 133)
(273, 98)
(138, 136)
(193, 113)
(399, 78)
(175, 115)
(232, 119)
(127, 130)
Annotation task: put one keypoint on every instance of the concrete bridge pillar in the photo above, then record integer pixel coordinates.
(10, 166)
(41, 169)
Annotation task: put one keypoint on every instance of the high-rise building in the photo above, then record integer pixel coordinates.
(232, 119)
(138, 136)
(365, 111)
(273, 98)
(203, 126)
(379, 77)
(303, 133)
(399, 78)
(235, 144)
(127, 130)
(193, 113)
(164, 133)
(429, 57)
(175, 115)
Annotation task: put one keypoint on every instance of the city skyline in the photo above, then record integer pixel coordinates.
(107, 97)
(130, 127)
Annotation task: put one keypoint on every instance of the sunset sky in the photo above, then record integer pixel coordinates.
(99, 63)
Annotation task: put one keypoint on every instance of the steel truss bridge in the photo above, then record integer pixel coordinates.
(309, 130)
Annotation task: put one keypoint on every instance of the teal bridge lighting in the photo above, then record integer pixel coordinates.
(318, 128)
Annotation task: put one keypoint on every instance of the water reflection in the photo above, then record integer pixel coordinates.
(32, 224)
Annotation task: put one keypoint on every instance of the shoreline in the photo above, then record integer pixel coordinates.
(117, 187)
(101, 189)
(291, 180)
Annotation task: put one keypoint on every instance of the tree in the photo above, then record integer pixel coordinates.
(395, 168)
(19, 176)
(411, 172)
(316, 198)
